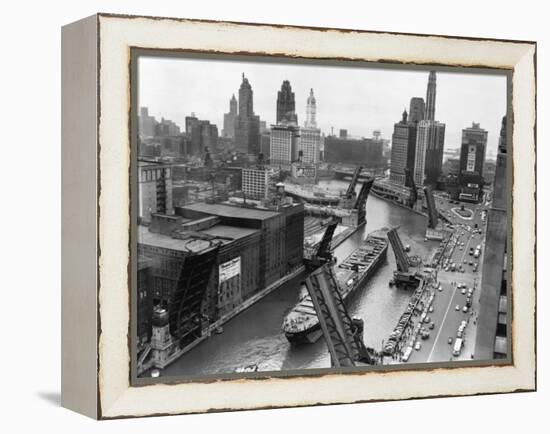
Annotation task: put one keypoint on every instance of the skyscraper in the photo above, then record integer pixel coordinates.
(283, 146)
(430, 97)
(310, 135)
(430, 140)
(230, 118)
(247, 125)
(311, 111)
(403, 149)
(286, 106)
(417, 109)
(472, 160)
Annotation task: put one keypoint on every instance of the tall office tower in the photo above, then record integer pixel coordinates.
(310, 144)
(230, 118)
(403, 149)
(430, 97)
(310, 135)
(283, 146)
(472, 160)
(311, 111)
(247, 125)
(492, 329)
(417, 109)
(246, 99)
(430, 140)
(286, 107)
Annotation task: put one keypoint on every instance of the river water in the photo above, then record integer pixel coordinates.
(255, 337)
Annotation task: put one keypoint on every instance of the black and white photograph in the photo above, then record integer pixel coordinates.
(294, 216)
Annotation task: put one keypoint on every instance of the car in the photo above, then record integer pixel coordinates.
(417, 346)
(465, 309)
(457, 307)
(450, 341)
(427, 319)
(440, 288)
(463, 291)
(432, 325)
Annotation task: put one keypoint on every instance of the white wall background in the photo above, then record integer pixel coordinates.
(30, 216)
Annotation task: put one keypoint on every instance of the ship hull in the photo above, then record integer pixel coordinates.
(308, 336)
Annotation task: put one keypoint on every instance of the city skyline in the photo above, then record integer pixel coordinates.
(175, 88)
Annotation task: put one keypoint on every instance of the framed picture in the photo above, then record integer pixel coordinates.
(261, 216)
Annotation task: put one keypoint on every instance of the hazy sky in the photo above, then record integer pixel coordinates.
(359, 99)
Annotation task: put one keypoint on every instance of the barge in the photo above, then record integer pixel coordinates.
(301, 324)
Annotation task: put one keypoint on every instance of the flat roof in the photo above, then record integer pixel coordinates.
(223, 234)
(232, 232)
(195, 245)
(231, 211)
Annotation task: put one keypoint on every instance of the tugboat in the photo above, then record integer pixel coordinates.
(301, 324)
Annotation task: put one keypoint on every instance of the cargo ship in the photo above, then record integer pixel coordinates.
(301, 324)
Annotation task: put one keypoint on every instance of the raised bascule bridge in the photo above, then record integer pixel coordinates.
(409, 268)
(435, 229)
(177, 324)
(343, 335)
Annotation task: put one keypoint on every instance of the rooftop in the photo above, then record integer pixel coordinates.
(231, 211)
(232, 232)
(196, 241)
(191, 244)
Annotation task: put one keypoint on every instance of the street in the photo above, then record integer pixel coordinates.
(445, 315)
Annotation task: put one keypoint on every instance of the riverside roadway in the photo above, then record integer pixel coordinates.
(445, 315)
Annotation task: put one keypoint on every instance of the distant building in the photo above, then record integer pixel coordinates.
(365, 152)
(150, 128)
(265, 143)
(311, 111)
(167, 128)
(201, 134)
(452, 167)
(310, 144)
(230, 118)
(472, 161)
(286, 106)
(417, 109)
(429, 114)
(303, 173)
(154, 189)
(403, 150)
(310, 135)
(147, 123)
(430, 141)
(256, 182)
(283, 145)
(247, 126)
